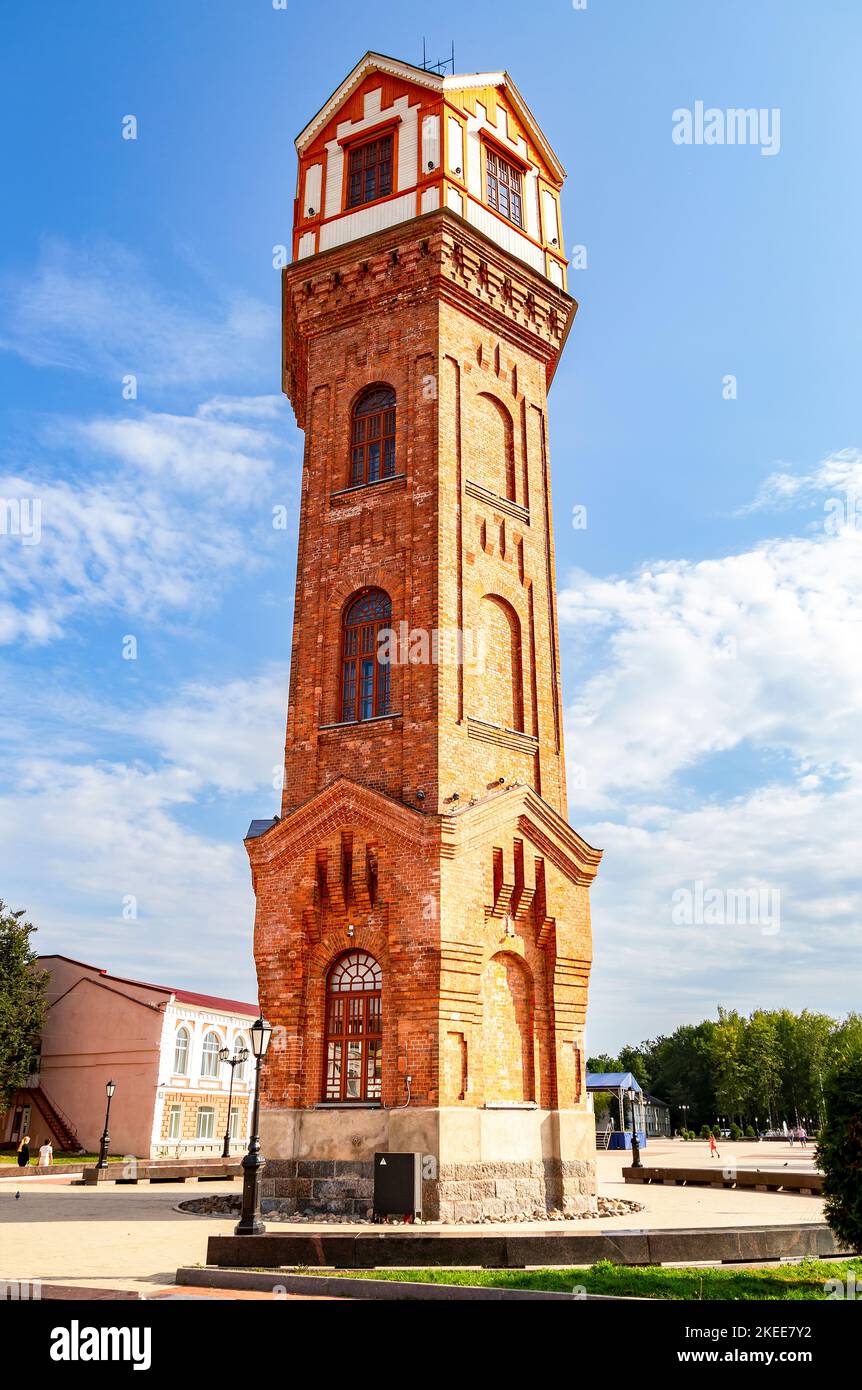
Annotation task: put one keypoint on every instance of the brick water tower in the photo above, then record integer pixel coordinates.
(422, 933)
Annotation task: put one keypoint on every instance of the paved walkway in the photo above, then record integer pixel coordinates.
(132, 1238)
(678, 1154)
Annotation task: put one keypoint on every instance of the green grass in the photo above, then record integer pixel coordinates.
(58, 1158)
(805, 1280)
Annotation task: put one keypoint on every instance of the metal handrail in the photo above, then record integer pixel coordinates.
(61, 1114)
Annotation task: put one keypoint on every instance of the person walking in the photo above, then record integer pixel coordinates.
(46, 1154)
(713, 1147)
(803, 1136)
(24, 1152)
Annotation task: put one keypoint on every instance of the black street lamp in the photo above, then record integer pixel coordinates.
(636, 1148)
(250, 1223)
(236, 1060)
(110, 1088)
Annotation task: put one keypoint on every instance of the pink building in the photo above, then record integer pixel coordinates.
(159, 1045)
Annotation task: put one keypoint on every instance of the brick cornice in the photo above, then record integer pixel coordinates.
(536, 821)
(435, 257)
(341, 805)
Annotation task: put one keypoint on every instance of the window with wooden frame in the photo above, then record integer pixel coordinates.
(504, 186)
(354, 1030)
(369, 171)
(365, 687)
(372, 436)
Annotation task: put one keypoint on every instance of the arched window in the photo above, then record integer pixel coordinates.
(364, 667)
(354, 1027)
(240, 1070)
(372, 436)
(181, 1052)
(209, 1055)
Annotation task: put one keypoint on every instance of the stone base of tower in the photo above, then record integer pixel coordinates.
(496, 1163)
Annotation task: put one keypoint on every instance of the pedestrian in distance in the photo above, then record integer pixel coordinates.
(24, 1152)
(46, 1154)
(713, 1147)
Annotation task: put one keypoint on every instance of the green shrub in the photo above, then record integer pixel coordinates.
(705, 1132)
(716, 1131)
(735, 1133)
(749, 1132)
(839, 1151)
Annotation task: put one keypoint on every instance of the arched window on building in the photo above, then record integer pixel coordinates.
(209, 1054)
(354, 1027)
(364, 675)
(181, 1052)
(240, 1070)
(372, 436)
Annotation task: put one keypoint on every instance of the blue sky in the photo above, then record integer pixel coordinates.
(710, 612)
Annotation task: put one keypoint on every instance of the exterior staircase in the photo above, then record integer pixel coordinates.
(61, 1125)
(603, 1138)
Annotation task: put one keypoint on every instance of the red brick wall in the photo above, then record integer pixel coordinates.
(507, 1029)
(479, 916)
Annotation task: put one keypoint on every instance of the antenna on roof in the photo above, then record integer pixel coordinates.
(442, 63)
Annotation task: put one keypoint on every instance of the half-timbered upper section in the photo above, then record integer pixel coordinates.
(394, 141)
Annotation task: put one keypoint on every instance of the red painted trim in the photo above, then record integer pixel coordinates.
(388, 198)
(394, 126)
(512, 156)
(371, 132)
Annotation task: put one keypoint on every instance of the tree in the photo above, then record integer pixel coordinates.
(725, 1051)
(839, 1151)
(761, 1063)
(680, 1071)
(632, 1059)
(23, 1003)
(603, 1063)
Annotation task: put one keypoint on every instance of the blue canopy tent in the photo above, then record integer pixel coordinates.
(619, 1083)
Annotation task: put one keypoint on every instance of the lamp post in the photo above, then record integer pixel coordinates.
(685, 1109)
(636, 1148)
(233, 1061)
(110, 1088)
(250, 1223)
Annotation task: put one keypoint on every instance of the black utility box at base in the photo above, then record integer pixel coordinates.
(397, 1184)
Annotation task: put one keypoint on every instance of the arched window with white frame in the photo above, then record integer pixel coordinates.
(209, 1054)
(181, 1052)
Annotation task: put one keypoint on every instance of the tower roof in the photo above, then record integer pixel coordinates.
(434, 82)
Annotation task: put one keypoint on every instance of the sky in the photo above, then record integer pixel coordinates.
(707, 415)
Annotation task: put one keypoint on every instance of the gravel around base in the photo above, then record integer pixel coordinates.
(273, 1210)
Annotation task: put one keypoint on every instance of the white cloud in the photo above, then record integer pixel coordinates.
(177, 505)
(763, 647)
(717, 737)
(839, 473)
(228, 736)
(94, 309)
(649, 974)
(90, 838)
(90, 835)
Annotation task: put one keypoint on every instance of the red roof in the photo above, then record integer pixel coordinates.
(212, 1001)
(183, 996)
